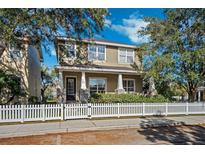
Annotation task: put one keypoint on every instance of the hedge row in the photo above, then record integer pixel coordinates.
(126, 98)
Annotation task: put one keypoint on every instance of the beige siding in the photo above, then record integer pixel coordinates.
(112, 80)
(27, 68)
(111, 57)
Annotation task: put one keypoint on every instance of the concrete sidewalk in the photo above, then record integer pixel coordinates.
(85, 125)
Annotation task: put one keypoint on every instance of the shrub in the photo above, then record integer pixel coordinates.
(33, 100)
(126, 98)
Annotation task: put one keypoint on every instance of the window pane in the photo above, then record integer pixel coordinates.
(122, 50)
(122, 56)
(92, 56)
(131, 89)
(97, 85)
(92, 48)
(101, 49)
(101, 57)
(130, 83)
(101, 82)
(70, 48)
(92, 52)
(130, 59)
(92, 82)
(72, 53)
(129, 52)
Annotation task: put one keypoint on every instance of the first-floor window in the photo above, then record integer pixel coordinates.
(129, 85)
(97, 85)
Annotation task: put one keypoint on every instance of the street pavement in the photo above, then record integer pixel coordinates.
(69, 126)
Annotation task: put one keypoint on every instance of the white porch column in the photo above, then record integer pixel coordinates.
(199, 95)
(120, 83)
(120, 88)
(83, 81)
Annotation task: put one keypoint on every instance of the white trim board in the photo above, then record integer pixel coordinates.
(99, 70)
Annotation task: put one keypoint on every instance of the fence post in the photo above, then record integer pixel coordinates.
(187, 108)
(166, 111)
(22, 113)
(143, 109)
(89, 110)
(118, 110)
(43, 112)
(62, 111)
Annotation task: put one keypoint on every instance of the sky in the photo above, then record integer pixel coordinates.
(121, 26)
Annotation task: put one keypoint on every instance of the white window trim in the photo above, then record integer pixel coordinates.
(98, 78)
(96, 60)
(133, 54)
(129, 79)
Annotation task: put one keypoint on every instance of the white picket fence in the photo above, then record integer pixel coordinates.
(21, 113)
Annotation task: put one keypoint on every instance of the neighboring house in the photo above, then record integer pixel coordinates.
(201, 93)
(25, 63)
(97, 67)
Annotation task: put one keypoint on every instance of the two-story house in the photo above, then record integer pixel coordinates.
(97, 66)
(25, 63)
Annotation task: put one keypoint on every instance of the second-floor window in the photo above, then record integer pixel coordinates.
(70, 50)
(125, 56)
(96, 53)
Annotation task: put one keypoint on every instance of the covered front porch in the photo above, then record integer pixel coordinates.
(200, 94)
(78, 82)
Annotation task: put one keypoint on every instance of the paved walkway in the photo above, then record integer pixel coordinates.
(85, 125)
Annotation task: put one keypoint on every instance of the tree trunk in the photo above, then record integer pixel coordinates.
(10, 99)
(192, 94)
(43, 96)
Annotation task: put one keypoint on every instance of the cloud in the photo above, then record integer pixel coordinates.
(53, 52)
(130, 27)
(98, 36)
(108, 22)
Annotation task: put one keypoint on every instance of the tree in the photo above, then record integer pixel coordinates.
(47, 80)
(43, 25)
(9, 87)
(40, 27)
(176, 48)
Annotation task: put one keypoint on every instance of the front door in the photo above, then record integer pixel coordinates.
(71, 89)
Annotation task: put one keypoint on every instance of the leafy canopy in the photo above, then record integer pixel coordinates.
(43, 25)
(176, 48)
